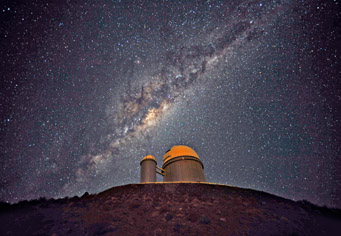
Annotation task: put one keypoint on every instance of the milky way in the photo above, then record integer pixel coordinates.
(89, 88)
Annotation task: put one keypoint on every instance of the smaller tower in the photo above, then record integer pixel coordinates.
(148, 166)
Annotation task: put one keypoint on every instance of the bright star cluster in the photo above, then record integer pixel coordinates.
(88, 88)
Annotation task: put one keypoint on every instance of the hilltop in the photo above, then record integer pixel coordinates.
(170, 209)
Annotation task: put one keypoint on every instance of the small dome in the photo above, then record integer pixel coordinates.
(148, 157)
(178, 151)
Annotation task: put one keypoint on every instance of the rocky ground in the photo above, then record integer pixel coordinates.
(170, 209)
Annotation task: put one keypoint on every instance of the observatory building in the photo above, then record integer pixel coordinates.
(180, 163)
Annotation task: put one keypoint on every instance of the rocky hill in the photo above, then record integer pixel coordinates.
(170, 209)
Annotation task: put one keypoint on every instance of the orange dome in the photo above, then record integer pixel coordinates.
(148, 157)
(178, 151)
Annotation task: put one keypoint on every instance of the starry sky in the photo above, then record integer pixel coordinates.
(88, 88)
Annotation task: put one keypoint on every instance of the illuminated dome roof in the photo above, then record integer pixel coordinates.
(148, 157)
(178, 151)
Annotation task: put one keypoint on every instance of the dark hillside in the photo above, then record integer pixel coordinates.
(170, 209)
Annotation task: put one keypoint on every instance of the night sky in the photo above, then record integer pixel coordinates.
(88, 88)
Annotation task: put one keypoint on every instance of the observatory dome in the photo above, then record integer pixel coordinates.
(148, 157)
(179, 151)
(180, 163)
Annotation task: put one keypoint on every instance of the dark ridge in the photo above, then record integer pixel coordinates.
(169, 209)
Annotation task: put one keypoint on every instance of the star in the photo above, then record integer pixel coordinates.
(89, 89)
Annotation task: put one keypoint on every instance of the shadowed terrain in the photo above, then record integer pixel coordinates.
(170, 209)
